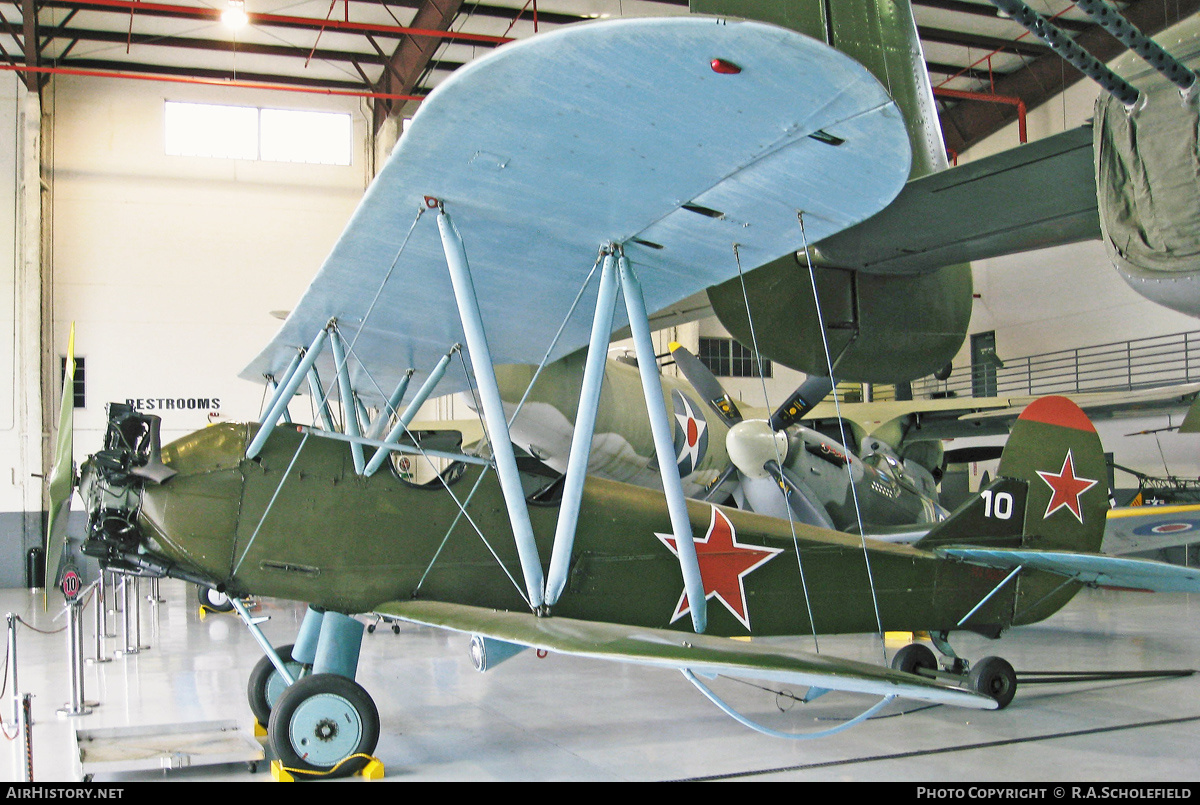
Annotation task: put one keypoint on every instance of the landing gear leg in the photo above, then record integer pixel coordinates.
(268, 679)
(955, 664)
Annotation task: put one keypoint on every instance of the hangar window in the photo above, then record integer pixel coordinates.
(246, 132)
(725, 357)
(79, 391)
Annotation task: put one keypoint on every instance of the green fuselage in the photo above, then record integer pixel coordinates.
(348, 543)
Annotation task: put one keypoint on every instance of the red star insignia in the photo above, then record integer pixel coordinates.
(1066, 488)
(724, 563)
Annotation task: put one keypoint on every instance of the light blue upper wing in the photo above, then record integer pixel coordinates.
(617, 131)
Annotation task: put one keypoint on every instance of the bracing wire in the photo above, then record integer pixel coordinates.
(545, 359)
(778, 459)
(842, 430)
(347, 406)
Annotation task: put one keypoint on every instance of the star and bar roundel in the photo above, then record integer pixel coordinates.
(724, 564)
(1066, 487)
(691, 433)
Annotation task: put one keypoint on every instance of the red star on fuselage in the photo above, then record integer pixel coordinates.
(1066, 488)
(724, 563)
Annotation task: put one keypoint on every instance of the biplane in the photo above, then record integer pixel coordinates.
(640, 159)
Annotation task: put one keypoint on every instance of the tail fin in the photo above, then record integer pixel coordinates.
(1049, 493)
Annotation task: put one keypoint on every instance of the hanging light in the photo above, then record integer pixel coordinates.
(235, 16)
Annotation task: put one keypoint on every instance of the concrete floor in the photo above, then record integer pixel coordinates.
(558, 718)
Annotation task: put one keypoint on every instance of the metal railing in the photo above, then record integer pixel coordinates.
(1141, 363)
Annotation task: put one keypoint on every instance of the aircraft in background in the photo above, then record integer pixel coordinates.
(1139, 196)
(552, 171)
(769, 463)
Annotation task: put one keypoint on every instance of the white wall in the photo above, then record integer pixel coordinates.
(170, 266)
(10, 136)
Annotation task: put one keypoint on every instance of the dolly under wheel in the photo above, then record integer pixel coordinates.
(319, 722)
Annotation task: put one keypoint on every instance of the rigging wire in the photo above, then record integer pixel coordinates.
(545, 359)
(778, 459)
(842, 430)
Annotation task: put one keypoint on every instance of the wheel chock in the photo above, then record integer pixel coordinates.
(279, 774)
(372, 771)
(259, 730)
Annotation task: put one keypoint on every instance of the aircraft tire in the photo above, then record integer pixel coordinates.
(325, 725)
(914, 658)
(993, 676)
(210, 598)
(266, 685)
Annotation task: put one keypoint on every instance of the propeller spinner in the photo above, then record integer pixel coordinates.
(758, 448)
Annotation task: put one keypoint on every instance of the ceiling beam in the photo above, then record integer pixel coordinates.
(412, 55)
(1025, 47)
(60, 33)
(210, 74)
(142, 7)
(968, 122)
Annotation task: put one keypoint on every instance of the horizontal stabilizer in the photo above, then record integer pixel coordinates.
(665, 648)
(1087, 568)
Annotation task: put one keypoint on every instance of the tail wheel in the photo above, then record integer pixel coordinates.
(266, 684)
(993, 676)
(216, 601)
(914, 658)
(320, 724)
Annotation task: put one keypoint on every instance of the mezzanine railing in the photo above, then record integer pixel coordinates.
(1119, 366)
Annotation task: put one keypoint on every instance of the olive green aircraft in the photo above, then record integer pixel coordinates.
(643, 158)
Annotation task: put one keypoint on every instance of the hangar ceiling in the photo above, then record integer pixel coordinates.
(396, 51)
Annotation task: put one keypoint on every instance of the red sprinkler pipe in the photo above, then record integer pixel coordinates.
(212, 82)
(989, 98)
(195, 12)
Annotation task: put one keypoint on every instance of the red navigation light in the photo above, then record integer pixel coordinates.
(724, 67)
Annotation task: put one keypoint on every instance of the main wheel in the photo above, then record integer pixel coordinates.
(266, 684)
(321, 721)
(993, 676)
(216, 601)
(914, 658)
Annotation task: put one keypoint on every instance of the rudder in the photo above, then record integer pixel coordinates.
(1049, 492)
(1055, 448)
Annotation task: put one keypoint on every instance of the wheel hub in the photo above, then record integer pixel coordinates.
(325, 729)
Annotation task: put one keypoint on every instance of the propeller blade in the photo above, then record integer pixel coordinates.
(62, 474)
(800, 501)
(725, 475)
(706, 384)
(804, 399)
